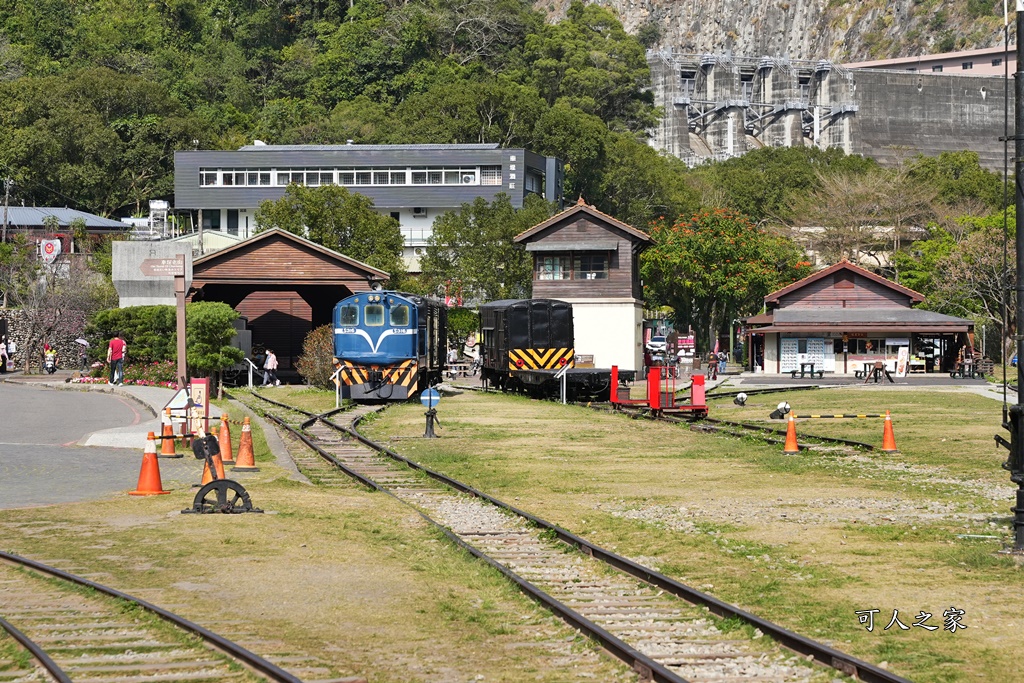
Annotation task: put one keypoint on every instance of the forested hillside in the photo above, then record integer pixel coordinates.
(95, 96)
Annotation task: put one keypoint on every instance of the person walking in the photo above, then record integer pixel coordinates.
(116, 351)
(270, 369)
(3, 354)
(453, 358)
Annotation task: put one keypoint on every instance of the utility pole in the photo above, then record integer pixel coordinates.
(1013, 419)
(7, 200)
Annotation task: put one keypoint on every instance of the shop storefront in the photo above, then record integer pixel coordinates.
(845, 318)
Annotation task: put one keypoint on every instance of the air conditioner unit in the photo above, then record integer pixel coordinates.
(419, 212)
(468, 179)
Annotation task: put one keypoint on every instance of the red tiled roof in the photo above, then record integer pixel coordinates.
(581, 207)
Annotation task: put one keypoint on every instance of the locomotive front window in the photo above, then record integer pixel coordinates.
(374, 314)
(399, 316)
(349, 315)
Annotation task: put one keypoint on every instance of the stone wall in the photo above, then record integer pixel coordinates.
(67, 349)
(807, 29)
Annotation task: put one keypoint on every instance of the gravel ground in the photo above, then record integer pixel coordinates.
(835, 511)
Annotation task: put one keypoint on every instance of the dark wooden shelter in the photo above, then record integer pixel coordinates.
(284, 285)
(591, 260)
(584, 253)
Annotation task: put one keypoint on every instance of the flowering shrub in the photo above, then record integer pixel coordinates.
(89, 380)
(156, 374)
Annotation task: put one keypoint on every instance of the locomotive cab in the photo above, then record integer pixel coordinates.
(370, 328)
(389, 345)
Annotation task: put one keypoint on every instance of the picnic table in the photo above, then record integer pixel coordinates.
(457, 369)
(804, 371)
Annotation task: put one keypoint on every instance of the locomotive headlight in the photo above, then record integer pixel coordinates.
(561, 361)
(519, 362)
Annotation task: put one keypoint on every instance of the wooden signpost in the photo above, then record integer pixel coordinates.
(168, 267)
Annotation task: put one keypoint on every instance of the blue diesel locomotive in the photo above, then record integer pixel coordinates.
(389, 345)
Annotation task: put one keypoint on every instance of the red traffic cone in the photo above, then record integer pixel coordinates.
(888, 438)
(791, 445)
(167, 438)
(224, 439)
(246, 460)
(149, 476)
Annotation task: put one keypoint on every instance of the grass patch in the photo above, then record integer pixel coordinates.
(803, 540)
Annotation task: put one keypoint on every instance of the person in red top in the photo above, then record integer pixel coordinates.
(115, 356)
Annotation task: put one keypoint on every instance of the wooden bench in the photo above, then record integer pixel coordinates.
(456, 369)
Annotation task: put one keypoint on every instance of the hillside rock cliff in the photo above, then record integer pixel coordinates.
(839, 30)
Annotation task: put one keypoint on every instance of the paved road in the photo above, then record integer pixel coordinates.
(40, 461)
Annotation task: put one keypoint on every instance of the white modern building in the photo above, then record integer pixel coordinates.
(414, 184)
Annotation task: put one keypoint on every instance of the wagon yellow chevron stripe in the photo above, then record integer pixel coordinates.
(541, 359)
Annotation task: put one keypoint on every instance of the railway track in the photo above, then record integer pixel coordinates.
(60, 627)
(666, 631)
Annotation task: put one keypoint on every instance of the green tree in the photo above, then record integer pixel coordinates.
(151, 334)
(917, 263)
(589, 62)
(97, 139)
(638, 184)
(209, 329)
(765, 183)
(580, 140)
(958, 178)
(344, 221)
(472, 251)
(461, 323)
(471, 111)
(316, 362)
(971, 281)
(716, 265)
(148, 330)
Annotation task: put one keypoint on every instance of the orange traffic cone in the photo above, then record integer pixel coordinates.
(167, 440)
(888, 438)
(791, 445)
(225, 441)
(149, 476)
(217, 465)
(246, 460)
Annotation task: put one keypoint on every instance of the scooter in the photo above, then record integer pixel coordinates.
(50, 363)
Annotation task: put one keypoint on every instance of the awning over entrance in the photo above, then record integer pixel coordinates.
(811, 320)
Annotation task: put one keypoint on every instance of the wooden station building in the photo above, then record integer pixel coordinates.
(591, 260)
(845, 316)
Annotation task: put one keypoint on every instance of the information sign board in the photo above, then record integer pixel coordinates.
(162, 267)
(199, 391)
